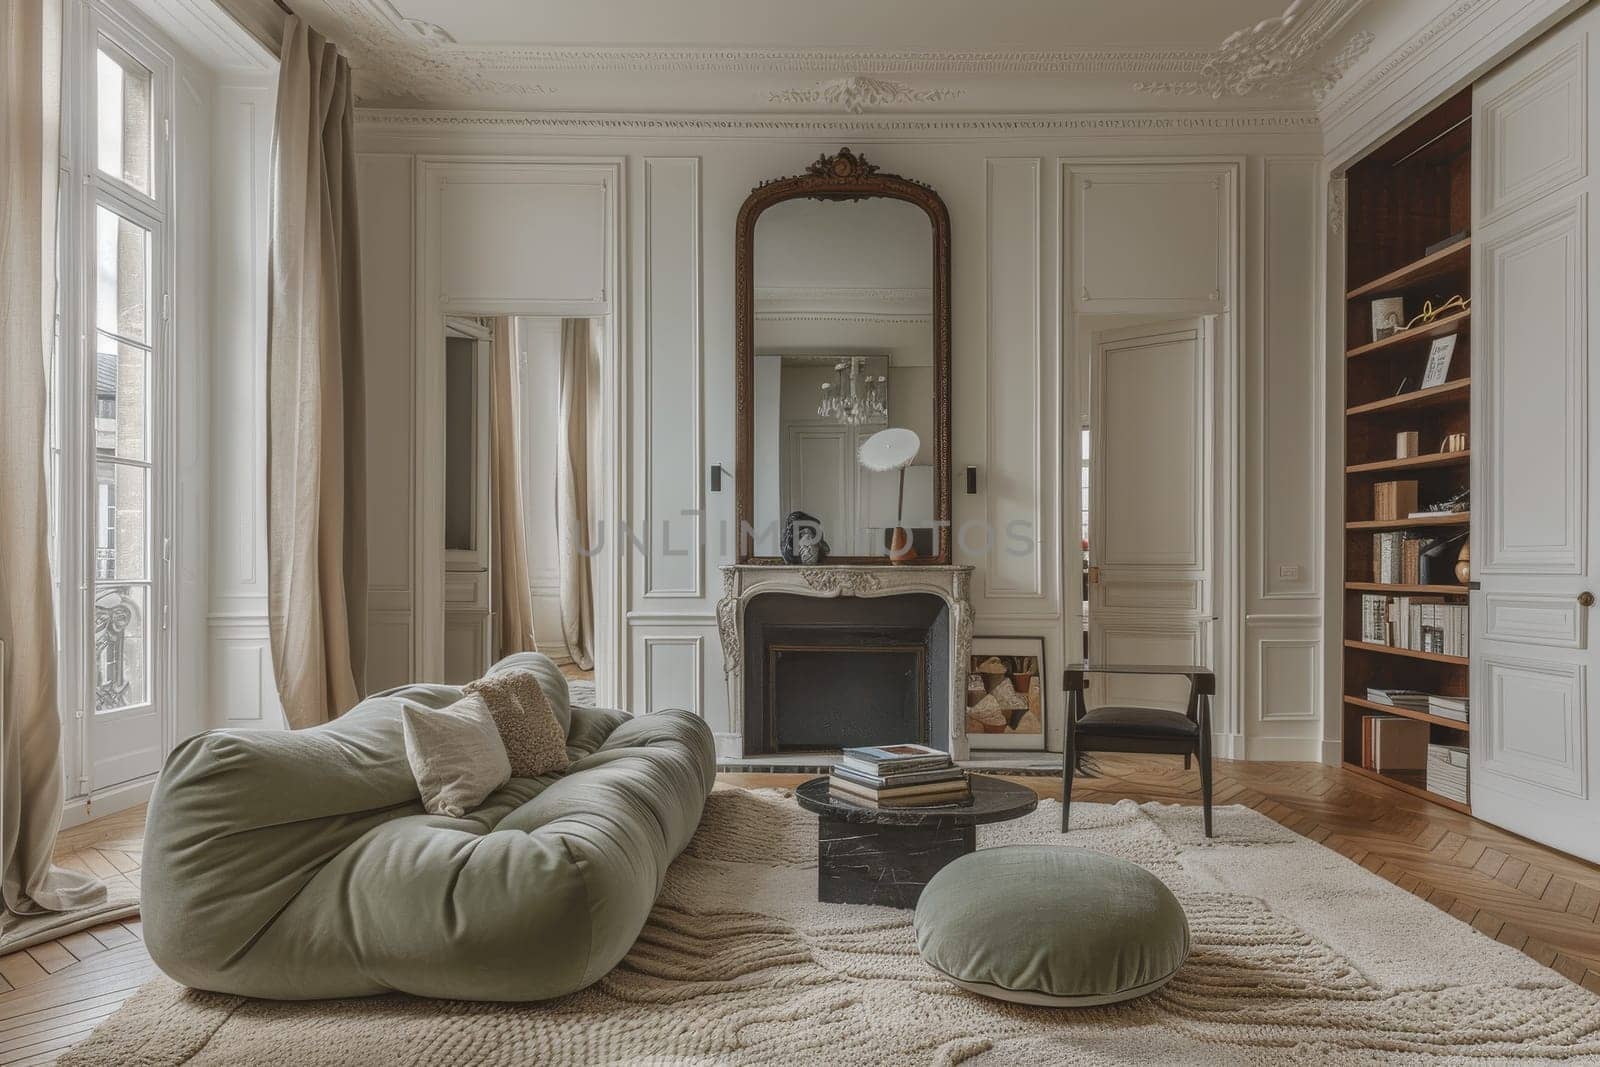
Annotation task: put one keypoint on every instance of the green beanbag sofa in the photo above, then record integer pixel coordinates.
(300, 865)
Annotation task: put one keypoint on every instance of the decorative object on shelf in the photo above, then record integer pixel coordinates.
(1428, 313)
(1437, 565)
(1454, 442)
(1393, 500)
(855, 397)
(1005, 700)
(1464, 562)
(1388, 316)
(1454, 504)
(1405, 444)
(894, 449)
(1439, 361)
(1439, 246)
(802, 540)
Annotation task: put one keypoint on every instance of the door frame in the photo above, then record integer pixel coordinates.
(1229, 313)
(431, 171)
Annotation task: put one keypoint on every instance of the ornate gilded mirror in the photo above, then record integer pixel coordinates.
(842, 302)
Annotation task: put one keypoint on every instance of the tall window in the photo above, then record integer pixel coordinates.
(107, 404)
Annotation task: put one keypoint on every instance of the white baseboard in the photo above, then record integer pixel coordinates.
(79, 810)
(1333, 753)
(1295, 749)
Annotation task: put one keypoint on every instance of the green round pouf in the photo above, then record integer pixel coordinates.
(1037, 924)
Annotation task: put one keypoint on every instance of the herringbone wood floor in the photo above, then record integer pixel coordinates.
(1531, 898)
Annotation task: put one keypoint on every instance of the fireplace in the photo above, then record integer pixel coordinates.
(822, 658)
(828, 674)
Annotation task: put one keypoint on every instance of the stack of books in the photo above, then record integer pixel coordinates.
(898, 776)
(1447, 772)
(1414, 699)
(1447, 707)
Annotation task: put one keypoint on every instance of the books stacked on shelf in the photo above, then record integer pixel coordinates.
(1404, 557)
(1447, 707)
(1391, 744)
(1421, 624)
(1447, 772)
(1415, 699)
(898, 776)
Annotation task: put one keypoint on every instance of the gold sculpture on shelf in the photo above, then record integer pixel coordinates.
(1429, 312)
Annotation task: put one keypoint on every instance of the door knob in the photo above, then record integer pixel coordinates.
(1586, 599)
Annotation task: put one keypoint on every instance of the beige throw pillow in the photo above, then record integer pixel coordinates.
(533, 736)
(456, 755)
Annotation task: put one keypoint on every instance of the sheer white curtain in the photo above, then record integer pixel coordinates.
(576, 474)
(316, 401)
(31, 789)
(513, 595)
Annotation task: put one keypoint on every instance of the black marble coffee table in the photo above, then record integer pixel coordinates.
(886, 855)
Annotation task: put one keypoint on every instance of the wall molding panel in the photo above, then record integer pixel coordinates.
(673, 362)
(1017, 439)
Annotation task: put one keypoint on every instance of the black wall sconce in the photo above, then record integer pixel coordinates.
(972, 481)
(716, 477)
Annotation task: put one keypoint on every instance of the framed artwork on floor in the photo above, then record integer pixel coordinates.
(1005, 694)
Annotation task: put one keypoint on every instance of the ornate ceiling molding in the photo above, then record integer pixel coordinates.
(797, 303)
(1278, 56)
(593, 124)
(862, 93)
(1419, 44)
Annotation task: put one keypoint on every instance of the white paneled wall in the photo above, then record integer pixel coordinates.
(241, 688)
(1178, 238)
(1283, 465)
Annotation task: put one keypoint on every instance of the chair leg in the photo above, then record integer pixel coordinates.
(1205, 776)
(1069, 767)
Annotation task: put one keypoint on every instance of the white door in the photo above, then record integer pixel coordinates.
(1535, 716)
(819, 471)
(1150, 513)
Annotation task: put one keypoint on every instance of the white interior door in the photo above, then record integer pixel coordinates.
(1535, 736)
(819, 471)
(1150, 514)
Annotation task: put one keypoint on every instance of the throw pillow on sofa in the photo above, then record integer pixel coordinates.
(534, 739)
(456, 755)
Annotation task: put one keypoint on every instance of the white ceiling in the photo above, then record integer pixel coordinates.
(924, 57)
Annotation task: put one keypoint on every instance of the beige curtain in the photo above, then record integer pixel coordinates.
(31, 787)
(316, 462)
(575, 475)
(512, 595)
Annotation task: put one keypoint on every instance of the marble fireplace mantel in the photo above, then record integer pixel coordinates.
(742, 582)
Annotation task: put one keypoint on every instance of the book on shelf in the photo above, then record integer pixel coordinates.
(1447, 707)
(1446, 772)
(1416, 623)
(1415, 699)
(879, 760)
(1399, 744)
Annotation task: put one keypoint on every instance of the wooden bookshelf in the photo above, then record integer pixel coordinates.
(1412, 463)
(1406, 713)
(1406, 200)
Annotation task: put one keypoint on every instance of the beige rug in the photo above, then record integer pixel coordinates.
(1300, 956)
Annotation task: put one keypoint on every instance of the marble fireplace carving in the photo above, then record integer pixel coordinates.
(743, 583)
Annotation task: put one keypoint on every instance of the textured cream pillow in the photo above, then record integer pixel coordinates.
(533, 736)
(456, 755)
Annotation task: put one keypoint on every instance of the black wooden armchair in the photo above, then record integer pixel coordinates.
(1139, 729)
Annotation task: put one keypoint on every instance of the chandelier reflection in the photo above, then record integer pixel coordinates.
(855, 397)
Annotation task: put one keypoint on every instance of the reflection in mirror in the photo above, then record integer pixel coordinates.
(843, 347)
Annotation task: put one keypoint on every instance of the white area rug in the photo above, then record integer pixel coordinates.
(1300, 956)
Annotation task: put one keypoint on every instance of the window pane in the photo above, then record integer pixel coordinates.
(121, 399)
(121, 521)
(122, 273)
(121, 646)
(123, 117)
